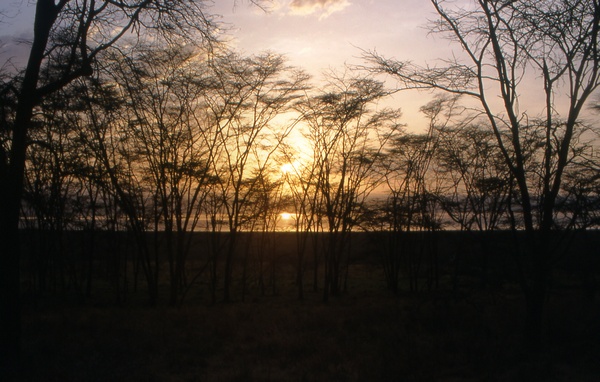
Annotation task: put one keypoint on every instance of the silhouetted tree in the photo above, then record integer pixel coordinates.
(68, 37)
(300, 166)
(478, 184)
(261, 219)
(409, 213)
(52, 185)
(104, 133)
(348, 139)
(249, 93)
(509, 45)
(163, 89)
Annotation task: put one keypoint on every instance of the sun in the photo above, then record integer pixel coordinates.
(287, 168)
(290, 168)
(285, 216)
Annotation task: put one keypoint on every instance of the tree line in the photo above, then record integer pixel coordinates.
(163, 142)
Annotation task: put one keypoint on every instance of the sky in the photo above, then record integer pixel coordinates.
(316, 35)
(322, 35)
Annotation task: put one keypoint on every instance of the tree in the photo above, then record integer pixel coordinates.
(68, 38)
(478, 184)
(104, 135)
(51, 186)
(348, 140)
(411, 206)
(249, 93)
(163, 89)
(507, 46)
(580, 202)
(301, 197)
(261, 218)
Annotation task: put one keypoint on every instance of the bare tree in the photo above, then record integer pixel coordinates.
(68, 37)
(477, 185)
(348, 140)
(579, 203)
(507, 46)
(302, 199)
(163, 89)
(51, 187)
(262, 216)
(104, 136)
(478, 193)
(409, 214)
(249, 94)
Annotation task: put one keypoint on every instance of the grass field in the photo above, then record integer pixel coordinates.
(360, 337)
(366, 334)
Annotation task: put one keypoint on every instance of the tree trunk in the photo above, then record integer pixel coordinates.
(10, 304)
(535, 295)
(10, 199)
(11, 191)
(229, 259)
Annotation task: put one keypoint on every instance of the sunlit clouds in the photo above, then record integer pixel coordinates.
(322, 8)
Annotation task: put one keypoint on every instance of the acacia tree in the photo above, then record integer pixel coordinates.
(51, 187)
(249, 93)
(262, 216)
(477, 184)
(507, 46)
(580, 202)
(68, 37)
(411, 207)
(163, 89)
(301, 197)
(348, 139)
(478, 191)
(103, 134)
(479, 187)
(94, 202)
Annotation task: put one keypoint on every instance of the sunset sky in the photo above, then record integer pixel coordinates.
(316, 35)
(319, 35)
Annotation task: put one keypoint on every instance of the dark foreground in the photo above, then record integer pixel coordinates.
(361, 336)
(463, 325)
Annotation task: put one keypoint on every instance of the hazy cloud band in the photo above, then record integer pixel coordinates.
(324, 7)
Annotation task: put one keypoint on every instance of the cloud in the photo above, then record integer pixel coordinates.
(322, 7)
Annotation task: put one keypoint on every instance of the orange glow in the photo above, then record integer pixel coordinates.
(287, 168)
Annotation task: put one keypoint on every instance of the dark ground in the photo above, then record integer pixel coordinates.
(366, 334)
(362, 337)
